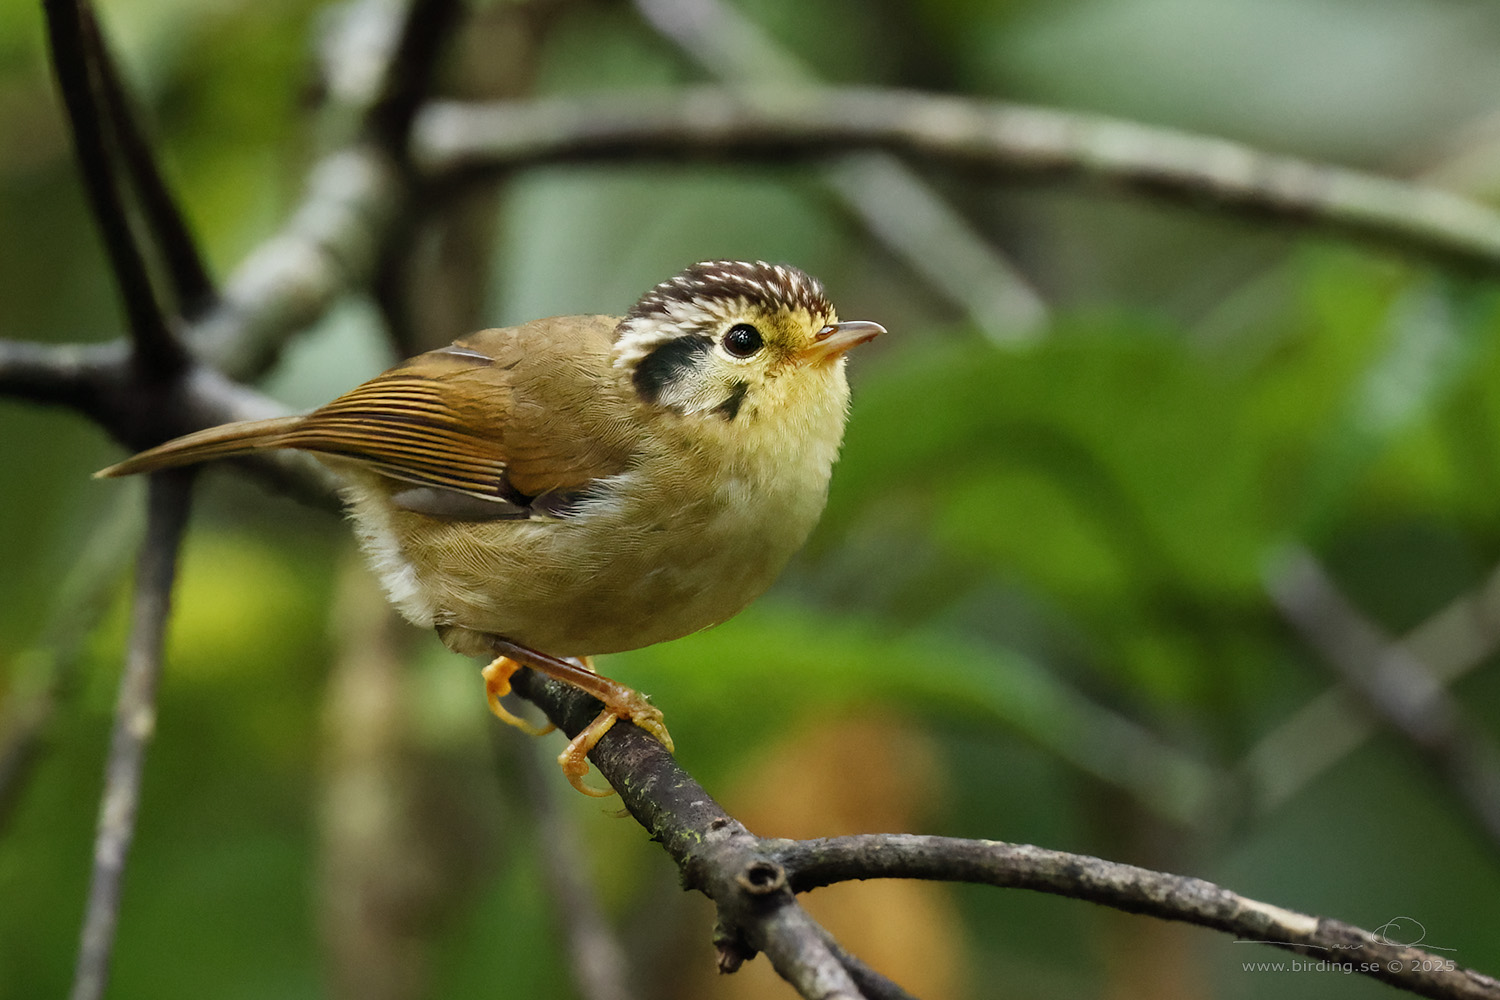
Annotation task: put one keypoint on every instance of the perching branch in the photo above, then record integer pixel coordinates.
(714, 852)
(989, 138)
(331, 245)
(752, 880)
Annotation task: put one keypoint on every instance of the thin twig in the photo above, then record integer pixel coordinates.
(800, 952)
(814, 863)
(871, 984)
(135, 723)
(987, 137)
(99, 381)
(157, 348)
(186, 270)
(409, 77)
(1332, 725)
(892, 201)
(329, 244)
(1394, 684)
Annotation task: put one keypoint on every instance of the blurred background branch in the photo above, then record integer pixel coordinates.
(135, 725)
(75, 45)
(889, 198)
(1450, 644)
(1011, 141)
(1390, 682)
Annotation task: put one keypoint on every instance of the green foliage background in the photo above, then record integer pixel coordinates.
(1025, 547)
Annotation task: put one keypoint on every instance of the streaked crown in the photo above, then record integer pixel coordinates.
(709, 293)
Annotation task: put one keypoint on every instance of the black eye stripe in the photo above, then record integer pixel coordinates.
(667, 363)
(742, 340)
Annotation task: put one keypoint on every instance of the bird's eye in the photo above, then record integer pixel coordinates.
(742, 340)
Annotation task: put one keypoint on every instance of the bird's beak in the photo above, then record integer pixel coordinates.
(836, 338)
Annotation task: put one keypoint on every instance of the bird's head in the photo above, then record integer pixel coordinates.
(739, 342)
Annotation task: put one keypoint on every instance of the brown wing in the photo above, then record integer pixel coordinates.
(505, 414)
(411, 428)
(510, 414)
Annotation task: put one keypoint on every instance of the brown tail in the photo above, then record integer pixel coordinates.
(215, 442)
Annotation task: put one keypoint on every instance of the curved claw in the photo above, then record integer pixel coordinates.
(620, 702)
(574, 758)
(649, 718)
(497, 685)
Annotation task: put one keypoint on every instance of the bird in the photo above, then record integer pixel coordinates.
(581, 485)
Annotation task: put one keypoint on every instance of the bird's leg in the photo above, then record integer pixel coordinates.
(497, 685)
(620, 702)
(574, 758)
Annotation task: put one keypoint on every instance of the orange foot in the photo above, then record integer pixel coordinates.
(497, 685)
(630, 705)
(620, 702)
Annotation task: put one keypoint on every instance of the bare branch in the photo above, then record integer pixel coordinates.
(1392, 683)
(991, 138)
(330, 244)
(716, 854)
(408, 79)
(333, 242)
(186, 270)
(289, 281)
(270, 295)
(718, 857)
(60, 374)
(886, 195)
(814, 863)
(336, 236)
(796, 946)
(135, 723)
(156, 346)
(871, 984)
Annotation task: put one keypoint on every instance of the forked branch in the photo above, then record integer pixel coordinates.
(753, 881)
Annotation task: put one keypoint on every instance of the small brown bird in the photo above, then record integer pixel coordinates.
(587, 484)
